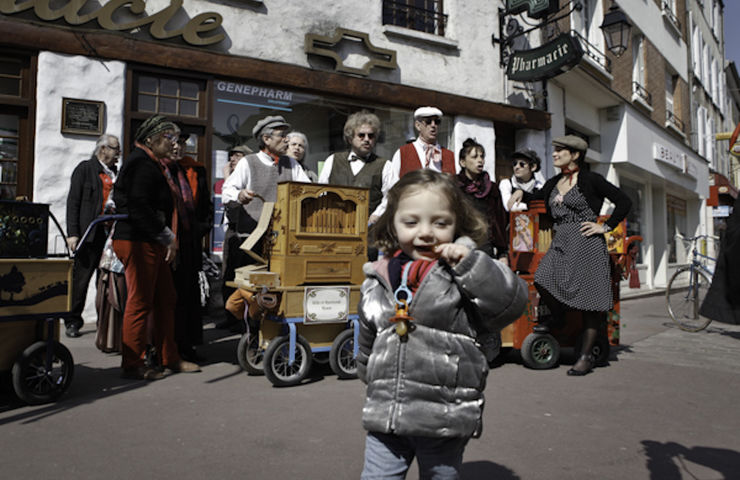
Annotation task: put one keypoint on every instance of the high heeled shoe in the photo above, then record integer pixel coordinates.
(579, 373)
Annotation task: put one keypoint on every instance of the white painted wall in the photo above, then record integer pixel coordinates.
(56, 154)
(467, 64)
(482, 132)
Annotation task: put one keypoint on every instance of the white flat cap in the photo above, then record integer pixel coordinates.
(427, 112)
(275, 121)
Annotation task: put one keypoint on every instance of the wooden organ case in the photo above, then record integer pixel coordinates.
(319, 234)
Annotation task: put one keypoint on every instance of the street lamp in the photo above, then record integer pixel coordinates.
(616, 30)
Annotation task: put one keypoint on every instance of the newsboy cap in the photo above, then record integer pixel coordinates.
(241, 149)
(274, 121)
(530, 156)
(427, 112)
(571, 142)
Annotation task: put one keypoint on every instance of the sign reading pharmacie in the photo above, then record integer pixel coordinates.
(546, 61)
(123, 15)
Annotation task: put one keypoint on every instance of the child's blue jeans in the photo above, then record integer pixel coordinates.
(389, 456)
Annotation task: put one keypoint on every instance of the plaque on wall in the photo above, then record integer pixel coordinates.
(84, 117)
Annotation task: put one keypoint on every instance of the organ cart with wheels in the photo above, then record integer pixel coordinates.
(531, 233)
(34, 295)
(301, 298)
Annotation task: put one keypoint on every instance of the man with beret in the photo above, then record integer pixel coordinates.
(424, 152)
(235, 154)
(255, 176)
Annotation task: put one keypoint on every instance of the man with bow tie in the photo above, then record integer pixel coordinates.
(359, 166)
(424, 152)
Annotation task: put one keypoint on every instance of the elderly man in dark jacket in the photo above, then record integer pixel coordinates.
(91, 184)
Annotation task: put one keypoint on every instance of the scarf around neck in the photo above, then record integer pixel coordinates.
(479, 188)
(526, 186)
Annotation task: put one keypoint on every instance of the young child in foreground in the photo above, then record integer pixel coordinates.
(424, 370)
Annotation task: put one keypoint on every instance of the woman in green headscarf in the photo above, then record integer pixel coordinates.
(146, 244)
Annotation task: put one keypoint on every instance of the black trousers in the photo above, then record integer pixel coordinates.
(86, 260)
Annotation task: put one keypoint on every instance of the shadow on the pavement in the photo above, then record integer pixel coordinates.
(486, 469)
(667, 460)
(88, 385)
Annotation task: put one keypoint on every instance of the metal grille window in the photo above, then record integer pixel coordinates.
(422, 15)
(8, 155)
(167, 96)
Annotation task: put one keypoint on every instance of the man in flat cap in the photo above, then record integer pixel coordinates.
(235, 154)
(424, 152)
(255, 176)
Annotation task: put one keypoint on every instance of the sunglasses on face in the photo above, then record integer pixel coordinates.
(519, 163)
(171, 137)
(429, 121)
(369, 136)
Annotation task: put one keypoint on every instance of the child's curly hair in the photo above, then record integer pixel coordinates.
(468, 220)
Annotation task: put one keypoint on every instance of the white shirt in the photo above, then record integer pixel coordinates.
(392, 171)
(507, 186)
(240, 180)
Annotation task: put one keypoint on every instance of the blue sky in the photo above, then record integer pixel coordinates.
(732, 31)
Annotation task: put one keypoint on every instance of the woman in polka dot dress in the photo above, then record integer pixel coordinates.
(574, 273)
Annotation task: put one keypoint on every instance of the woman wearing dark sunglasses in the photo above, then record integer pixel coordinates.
(525, 164)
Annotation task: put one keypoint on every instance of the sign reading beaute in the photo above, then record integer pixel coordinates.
(111, 17)
(546, 61)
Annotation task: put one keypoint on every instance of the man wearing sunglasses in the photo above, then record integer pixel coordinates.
(89, 190)
(358, 166)
(424, 152)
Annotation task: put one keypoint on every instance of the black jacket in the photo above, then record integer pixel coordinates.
(85, 197)
(595, 188)
(142, 192)
(722, 302)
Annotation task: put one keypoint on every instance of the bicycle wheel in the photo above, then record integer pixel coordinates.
(684, 296)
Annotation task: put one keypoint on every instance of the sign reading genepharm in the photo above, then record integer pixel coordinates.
(326, 304)
(546, 61)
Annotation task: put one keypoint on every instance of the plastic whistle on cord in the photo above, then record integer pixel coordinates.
(402, 319)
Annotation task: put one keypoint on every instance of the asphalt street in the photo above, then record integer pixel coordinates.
(664, 408)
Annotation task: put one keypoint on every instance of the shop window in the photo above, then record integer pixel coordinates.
(676, 228)
(17, 75)
(422, 15)
(167, 96)
(238, 106)
(635, 217)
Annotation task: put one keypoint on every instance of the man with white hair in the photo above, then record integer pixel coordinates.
(89, 191)
(424, 152)
(255, 176)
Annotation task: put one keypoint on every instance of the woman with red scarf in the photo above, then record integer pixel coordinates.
(146, 243)
(478, 186)
(574, 274)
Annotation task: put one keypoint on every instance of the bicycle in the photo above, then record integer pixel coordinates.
(687, 289)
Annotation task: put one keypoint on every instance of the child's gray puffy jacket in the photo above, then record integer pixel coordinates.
(432, 385)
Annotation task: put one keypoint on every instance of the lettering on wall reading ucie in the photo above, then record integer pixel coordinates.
(109, 17)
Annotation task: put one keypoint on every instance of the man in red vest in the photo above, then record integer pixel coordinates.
(424, 152)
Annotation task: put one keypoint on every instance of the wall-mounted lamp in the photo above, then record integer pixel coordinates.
(616, 29)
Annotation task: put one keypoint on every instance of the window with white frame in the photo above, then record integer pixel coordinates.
(587, 22)
(709, 140)
(715, 81)
(705, 80)
(639, 86)
(671, 118)
(696, 51)
(701, 121)
(716, 18)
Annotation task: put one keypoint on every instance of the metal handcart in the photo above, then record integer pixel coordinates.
(34, 297)
(530, 236)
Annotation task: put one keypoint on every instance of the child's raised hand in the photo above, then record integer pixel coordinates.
(451, 253)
